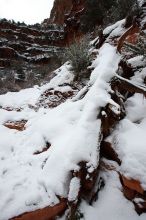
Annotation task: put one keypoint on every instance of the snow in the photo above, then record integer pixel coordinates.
(129, 137)
(74, 189)
(72, 129)
(136, 108)
(111, 203)
(105, 67)
(129, 140)
(139, 77)
(20, 99)
(29, 97)
(115, 30)
(137, 61)
(141, 2)
(31, 181)
(112, 31)
(15, 116)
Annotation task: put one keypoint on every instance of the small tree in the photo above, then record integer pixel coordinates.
(104, 12)
(78, 55)
(91, 17)
(124, 8)
(95, 14)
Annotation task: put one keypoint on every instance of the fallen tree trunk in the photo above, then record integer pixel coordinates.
(121, 84)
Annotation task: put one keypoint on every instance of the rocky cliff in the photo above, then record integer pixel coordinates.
(59, 11)
(36, 49)
(30, 49)
(67, 14)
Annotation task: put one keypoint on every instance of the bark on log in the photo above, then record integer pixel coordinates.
(122, 84)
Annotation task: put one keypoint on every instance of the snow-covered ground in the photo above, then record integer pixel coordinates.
(30, 181)
(72, 129)
(29, 97)
(129, 139)
(111, 204)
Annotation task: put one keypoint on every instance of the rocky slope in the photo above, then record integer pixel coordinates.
(34, 51)
(78, 150)
(29, 51)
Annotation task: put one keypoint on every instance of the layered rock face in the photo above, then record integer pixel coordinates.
(67, 14)
(72, 21)
(31, 44)
(36, 49)
(59, 10)
(27, 51)
(34, 43)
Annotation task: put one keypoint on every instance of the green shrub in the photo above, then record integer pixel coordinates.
(78, 55)
(104, 12)
(124, 8)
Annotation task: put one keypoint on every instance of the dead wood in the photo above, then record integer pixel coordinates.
(130, 31)
(121, 84)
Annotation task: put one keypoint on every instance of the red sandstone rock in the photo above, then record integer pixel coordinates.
(48, 213)
(72, 21)
(67, 13)
(129, 35)
(17, 125)
(132, 184)
(129, 193)
(53, 98)
(59, 10)
(133, 191)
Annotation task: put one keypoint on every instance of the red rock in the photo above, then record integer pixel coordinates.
(48, 213)
(132, 38)
(7, 52)
(133, 184)
(58, 12)
(72, 21)
(134, 192)
(52, 98)
(129, 193)
(17, 125)
(67, 13)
